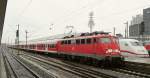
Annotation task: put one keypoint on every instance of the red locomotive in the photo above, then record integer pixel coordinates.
(94, 48)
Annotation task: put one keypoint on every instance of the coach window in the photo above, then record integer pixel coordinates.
(82, 41)
(54, 45)
(77, 41)
(44, 45)
(41, 45)
(51, 45)
(48, 45)
(88, 41)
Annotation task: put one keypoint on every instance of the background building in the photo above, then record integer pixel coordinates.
(140, 26)
(146, 18)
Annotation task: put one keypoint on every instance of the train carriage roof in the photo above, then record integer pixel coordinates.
(55, 38)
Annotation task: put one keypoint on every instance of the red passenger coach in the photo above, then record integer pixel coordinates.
(100, 47)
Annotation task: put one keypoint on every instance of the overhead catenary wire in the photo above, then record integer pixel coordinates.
(81, 11)
(77, 12)
(25, 8)
(72, 13)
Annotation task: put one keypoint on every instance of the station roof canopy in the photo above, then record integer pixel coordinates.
(3, 4)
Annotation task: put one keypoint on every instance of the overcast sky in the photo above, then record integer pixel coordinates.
(37, 16)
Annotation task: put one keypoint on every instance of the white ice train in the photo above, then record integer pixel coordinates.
(132, 48)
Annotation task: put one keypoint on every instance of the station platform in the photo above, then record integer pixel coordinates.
(138, 60)
(2, 65)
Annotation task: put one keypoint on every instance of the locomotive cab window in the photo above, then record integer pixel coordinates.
(105, 40)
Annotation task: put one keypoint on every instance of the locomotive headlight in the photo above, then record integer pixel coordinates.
(109, 51)
(116, 50)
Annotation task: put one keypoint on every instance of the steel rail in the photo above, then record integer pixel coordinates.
(26, 67)
(84, 71)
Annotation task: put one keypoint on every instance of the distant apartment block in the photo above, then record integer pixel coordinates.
(146, 18)
(135, 27)
(140, 26)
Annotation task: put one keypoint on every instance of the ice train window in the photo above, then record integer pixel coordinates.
(126, 44)
(136, 43)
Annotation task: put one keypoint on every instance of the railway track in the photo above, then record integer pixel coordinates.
(126, 70)
(92, 70)
(131, 72)
(89, 71)
(133, 68)
(139, 69)
(81, 72)
(138, 66)
(16, 69)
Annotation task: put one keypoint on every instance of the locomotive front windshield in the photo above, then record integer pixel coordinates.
(105, 40)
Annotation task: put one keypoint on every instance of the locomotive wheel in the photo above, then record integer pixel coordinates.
(95, 63)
